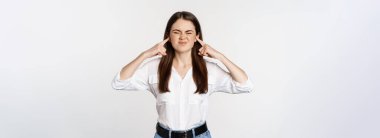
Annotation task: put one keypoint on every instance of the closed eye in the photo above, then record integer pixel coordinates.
(189, 32)
(176, 31)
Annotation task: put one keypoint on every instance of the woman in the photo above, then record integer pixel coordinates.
(181, 72)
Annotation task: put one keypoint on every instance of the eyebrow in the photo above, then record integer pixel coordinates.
(180, 30)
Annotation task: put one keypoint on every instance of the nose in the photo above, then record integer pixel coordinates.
(182, 36)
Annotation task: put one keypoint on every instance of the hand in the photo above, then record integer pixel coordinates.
(207, 50)
(157, 49)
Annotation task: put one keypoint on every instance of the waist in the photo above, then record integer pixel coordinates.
(166, 133)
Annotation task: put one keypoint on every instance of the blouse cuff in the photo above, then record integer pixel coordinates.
(245, 86)
(120, 84)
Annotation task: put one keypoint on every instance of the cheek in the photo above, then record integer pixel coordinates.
(173, 37)
(192, 38)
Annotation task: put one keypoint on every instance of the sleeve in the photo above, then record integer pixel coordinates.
(222, 81)
(137, 82)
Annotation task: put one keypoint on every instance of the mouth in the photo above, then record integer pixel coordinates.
(182, 43)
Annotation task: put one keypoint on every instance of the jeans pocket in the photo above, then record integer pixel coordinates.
(157, 136)
(206, 134)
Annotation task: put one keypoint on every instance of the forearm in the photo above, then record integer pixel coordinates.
(128, 70)
(237, 73)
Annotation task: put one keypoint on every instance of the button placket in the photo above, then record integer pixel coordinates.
(181, 104)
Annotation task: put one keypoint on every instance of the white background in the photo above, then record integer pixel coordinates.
(316, 67)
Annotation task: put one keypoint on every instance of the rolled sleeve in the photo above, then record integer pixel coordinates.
(247, 86)
(223, 82)
(138, 81)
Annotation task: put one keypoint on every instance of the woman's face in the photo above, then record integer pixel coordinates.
(182, 35)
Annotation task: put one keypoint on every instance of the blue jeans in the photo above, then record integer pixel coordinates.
(203, 135)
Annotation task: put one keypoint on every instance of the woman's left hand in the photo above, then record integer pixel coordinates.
(207, 50)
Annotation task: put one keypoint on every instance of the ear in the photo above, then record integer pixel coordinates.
(167, 36)
(196, 38)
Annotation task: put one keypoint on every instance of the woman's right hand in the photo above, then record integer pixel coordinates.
(157, 49)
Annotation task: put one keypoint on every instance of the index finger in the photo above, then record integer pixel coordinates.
(164, 41)
(200, 41)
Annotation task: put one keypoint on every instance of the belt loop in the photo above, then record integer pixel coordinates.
(193, 132)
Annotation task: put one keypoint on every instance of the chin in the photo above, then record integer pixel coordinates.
(182, 48)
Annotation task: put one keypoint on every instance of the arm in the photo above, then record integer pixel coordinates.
(133, 77)
(237, 73)
(128, 70)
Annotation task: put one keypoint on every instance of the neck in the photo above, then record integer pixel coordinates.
(182, 59)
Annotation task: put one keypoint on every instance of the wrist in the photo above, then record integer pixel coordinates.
(220, 57)
(143, 55)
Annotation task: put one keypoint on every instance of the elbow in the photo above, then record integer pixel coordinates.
(245, 87)
(116, 85)
(243, 90)
(251, 90)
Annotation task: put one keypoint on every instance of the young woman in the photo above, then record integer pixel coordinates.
(182, 71)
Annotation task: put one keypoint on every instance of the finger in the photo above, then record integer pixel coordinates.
(205, 48)
(164, 41)
(200, 53)
(163, 53)
(200, 41)
(167, 39)
(163, 49)
(204, 52)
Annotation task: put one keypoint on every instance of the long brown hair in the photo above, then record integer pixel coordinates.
(199, 65)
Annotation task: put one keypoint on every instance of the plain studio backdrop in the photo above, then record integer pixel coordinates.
(315, 64)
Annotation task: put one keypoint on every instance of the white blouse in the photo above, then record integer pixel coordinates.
(181, 109)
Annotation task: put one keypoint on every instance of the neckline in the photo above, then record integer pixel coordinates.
(179, 76)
